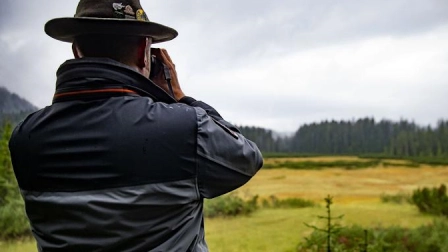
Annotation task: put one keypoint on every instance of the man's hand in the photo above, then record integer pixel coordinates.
(162, 55)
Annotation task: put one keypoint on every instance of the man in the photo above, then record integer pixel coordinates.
(115, 163)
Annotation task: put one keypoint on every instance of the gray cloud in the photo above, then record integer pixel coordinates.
(7, 6)
(244, 29)
(220, 38)
(224, 31)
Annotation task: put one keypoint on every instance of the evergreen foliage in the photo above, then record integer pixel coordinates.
(313, 165)
(229, 205)
(399, 198)
(431, 200)
(274, 202)
(266, 140)
(331, 229)
(430, 237)
(401, 139)
(13, 220)
(334, 237)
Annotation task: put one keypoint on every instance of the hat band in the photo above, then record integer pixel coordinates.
(127, 12)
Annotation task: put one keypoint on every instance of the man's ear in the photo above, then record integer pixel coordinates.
(76, 51)
(143, 57)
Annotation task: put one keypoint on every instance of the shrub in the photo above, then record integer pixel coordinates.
(430, 160)
(290, 155)
(399, 198)
(433, 201)
(415, 160)
(430, 237)
(275, 202)
(229, 205)
(346, 239)
(315, 165)
(409, 164)
(233, 205)
(13, 220)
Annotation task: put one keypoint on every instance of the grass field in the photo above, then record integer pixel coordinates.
(282, 229)
(347, 186)
(356, 195)
(20, 246)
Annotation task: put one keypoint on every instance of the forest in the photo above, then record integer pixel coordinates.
(358, 137)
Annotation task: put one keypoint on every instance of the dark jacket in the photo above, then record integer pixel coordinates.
(115, 164)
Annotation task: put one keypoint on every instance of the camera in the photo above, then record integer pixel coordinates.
(156, 67)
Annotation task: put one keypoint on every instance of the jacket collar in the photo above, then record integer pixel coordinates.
(99, 77)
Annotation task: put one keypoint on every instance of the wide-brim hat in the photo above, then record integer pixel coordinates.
(108, 17)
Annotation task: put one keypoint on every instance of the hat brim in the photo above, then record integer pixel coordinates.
(66, 29)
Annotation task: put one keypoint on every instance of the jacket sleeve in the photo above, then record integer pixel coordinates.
(226, 160)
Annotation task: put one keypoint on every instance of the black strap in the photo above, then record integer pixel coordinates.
(167, 73)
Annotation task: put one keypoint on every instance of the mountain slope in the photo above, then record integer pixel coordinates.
(11, 103)
(13, 108)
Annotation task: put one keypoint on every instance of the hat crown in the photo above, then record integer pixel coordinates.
(114, 9)
(108, 17)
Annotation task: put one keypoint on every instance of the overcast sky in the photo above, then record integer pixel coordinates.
(274, 64)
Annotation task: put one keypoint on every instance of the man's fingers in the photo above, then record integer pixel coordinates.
(166, 58)
(165, 53)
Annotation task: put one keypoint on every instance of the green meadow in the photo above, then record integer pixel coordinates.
(356, 186)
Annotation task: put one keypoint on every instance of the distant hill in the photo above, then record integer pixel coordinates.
(13, 108)
(11, 103)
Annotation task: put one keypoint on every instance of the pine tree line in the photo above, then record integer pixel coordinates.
(401, 139)
(265, 139)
